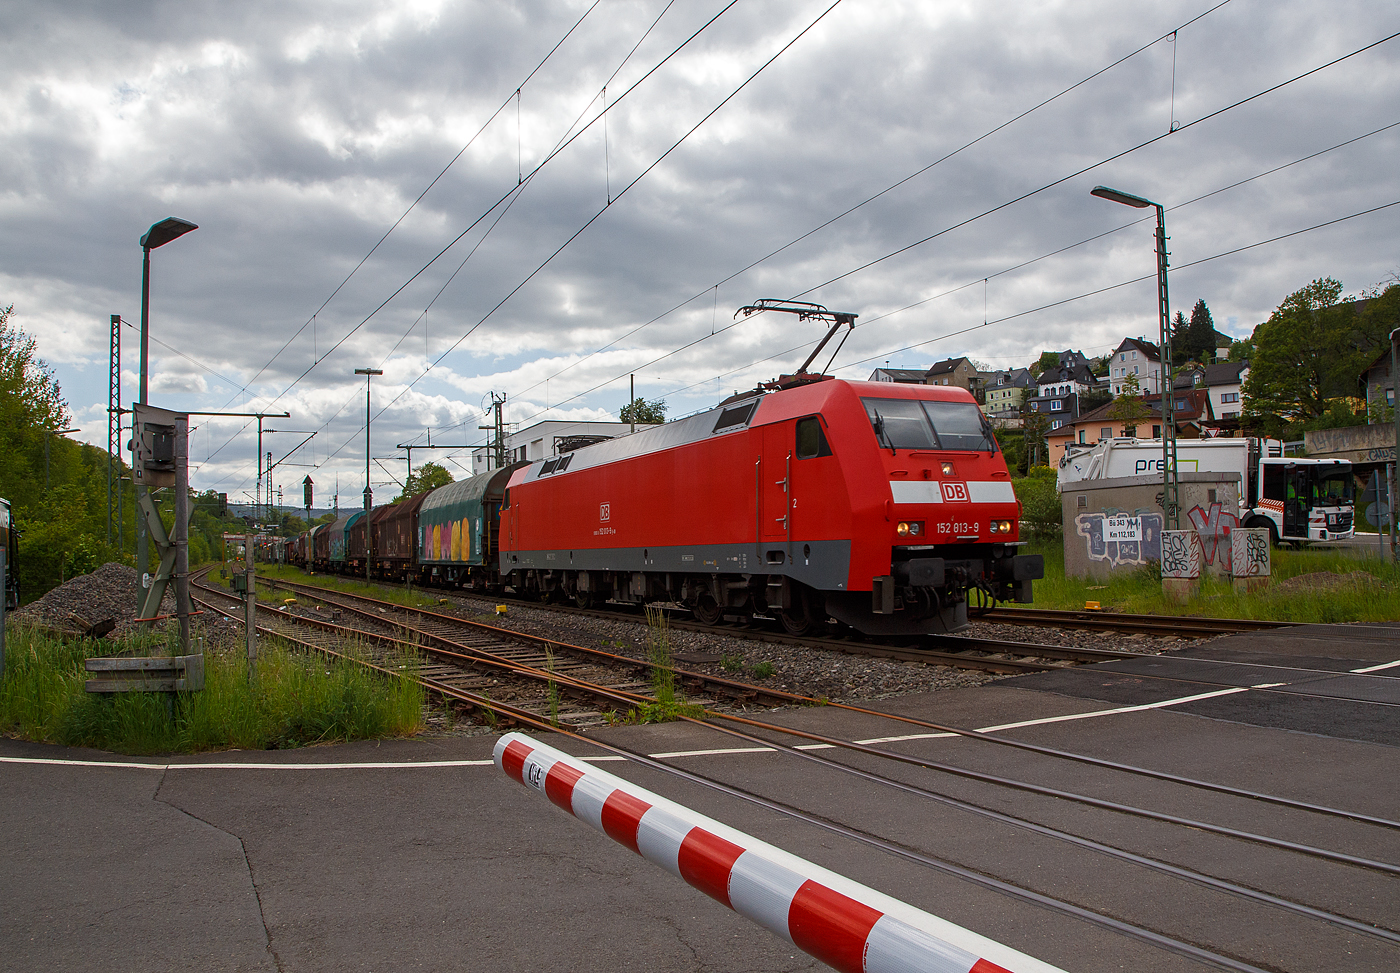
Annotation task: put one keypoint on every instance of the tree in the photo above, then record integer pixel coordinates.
(427, 477)
(1034, 425)
(1129, 408)
(1046, 361)
(1013, 449)
(1092, 399)
(57, 488)
(1311, 349)
(30, 393)
(642, 411)
(1180, 327)
(1242, 349)
(1200, 334)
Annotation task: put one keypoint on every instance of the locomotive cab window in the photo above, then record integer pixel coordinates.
(917, 424)
(811, 440)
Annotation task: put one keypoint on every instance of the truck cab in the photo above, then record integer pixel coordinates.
(1296, 499)
(1305, 499)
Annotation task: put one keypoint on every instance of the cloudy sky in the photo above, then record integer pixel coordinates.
(296, 135)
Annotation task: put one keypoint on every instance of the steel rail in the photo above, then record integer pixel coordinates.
(1340, 857)
(1101, 804)
(1154, 864)
(1122, 854)
(1279, 689)
(479, 656)
(797, 699)
(527, 718)
(903, 653)
(1125, 622)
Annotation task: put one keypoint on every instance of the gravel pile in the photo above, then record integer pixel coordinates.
(108, 592)
(837, 676)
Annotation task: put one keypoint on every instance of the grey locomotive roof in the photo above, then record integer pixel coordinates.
(682, 432)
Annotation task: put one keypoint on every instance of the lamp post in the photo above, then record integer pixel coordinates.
(1171, 505)
(158, 235)
(1395, 464)
(368, 373)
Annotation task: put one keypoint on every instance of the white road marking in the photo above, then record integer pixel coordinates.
(715, 752)
(1383, 665)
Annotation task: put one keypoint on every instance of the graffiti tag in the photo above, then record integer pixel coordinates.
(1100, 547)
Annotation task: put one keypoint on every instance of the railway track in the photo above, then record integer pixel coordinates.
(460, 654)
(963, 652)
(798, 744)
(1102, 621)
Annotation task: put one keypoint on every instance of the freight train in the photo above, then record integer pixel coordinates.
(876, 505)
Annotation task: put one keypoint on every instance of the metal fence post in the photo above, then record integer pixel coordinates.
(250, 609)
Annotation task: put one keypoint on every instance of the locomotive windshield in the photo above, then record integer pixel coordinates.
(918, 424)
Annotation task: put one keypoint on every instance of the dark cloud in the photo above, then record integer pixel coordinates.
(296, 134)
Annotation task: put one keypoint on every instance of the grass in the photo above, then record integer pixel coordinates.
(669, 704)
(1141, 590)
(409, 598)
(297, 699)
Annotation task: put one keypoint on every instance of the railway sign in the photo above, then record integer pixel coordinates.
(1122, 528)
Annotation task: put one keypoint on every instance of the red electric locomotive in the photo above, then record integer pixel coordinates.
(876, 504)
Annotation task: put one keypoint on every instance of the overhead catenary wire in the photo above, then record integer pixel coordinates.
(625, 189)
(514, 190)
(895, 185)
(564, 144)
(354, 270)
(1018, 266)
(1196, 122)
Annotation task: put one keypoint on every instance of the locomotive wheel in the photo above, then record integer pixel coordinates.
(707, 611)
(584, 599)
(798, 620)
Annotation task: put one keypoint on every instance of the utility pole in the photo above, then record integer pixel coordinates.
(369, 374)
(632, 382)
(250, 608)
(1395, 465)
(410, 447)
(114, 422)
(498, 403)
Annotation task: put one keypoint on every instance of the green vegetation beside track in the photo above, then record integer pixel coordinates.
(1308, 586)
(297, 700)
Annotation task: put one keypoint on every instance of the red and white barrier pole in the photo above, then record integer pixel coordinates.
(844, 924)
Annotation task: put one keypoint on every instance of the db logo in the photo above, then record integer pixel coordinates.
(604, 511)
(954, 492)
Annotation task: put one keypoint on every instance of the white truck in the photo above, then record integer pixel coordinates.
(1296, 499)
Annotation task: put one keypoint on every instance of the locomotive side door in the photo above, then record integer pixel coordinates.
(775, 472)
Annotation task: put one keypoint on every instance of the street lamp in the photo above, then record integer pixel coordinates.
(157, 236)
(368, 373)
(1171, 505)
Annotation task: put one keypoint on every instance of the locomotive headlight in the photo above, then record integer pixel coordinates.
(1001, 526)
(947, 468)
(909, 528)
